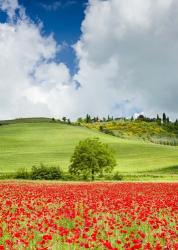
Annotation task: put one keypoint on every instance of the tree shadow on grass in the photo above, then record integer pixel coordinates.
(166, 170)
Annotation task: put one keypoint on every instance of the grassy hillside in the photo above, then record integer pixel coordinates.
(23, 144)
(152, 131)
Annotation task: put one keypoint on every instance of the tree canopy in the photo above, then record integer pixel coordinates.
(92, 157)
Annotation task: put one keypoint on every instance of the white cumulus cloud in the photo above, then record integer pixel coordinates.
(10, 6)
(128, 56)
(31, 82)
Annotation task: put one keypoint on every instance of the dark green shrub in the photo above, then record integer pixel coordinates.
(117, 176)
(22, 174)
(101, 128)
(109, 132)
(46, 173)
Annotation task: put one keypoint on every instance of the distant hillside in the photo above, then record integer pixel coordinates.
(27, 143)
(26, 120)
(158, 133)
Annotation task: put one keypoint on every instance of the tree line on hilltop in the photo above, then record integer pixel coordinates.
(160, 120)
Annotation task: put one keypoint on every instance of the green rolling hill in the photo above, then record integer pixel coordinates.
(28, 142)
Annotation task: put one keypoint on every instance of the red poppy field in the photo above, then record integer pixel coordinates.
(89, 216)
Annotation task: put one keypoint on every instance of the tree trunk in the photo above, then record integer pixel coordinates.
(92, 175)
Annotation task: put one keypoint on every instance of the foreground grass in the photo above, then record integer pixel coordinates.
(24, 144)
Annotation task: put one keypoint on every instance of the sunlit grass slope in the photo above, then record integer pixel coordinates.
(30, 142)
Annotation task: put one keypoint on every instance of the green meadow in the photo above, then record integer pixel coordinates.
(24, 143)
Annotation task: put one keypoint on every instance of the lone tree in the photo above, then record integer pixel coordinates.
(92, 157)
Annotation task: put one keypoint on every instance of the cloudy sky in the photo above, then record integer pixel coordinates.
(72, 57)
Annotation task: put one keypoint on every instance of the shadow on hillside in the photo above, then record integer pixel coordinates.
(167, 170)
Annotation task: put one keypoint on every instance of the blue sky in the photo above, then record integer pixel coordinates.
(63, 18)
